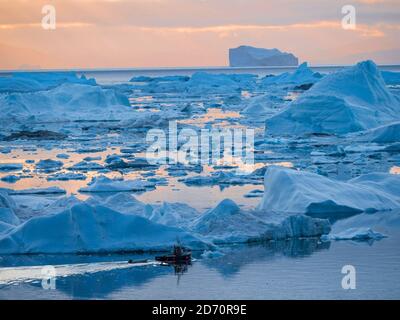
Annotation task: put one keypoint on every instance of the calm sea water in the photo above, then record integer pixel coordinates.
(124, 75)
(302, 269)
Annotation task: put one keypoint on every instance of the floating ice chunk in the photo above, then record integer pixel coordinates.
(66, 177)
(10, 178)
(35, 135)
(35, 81)
(63, 156)
(222, 178)
(208, 254)
(355, 234)
(50, 190)
(254, 194)
(66, 102)
(247, 56)
(289, 190)
(5, 150)
(351, 100)
(302, 75)
(104, 184)
(92, 229)
(10, 166)
(159, 79)
(92, 158)
(227, 223)
(86, 166)
(259, 106)
(90, 150)
(201, 82)
(49, 165)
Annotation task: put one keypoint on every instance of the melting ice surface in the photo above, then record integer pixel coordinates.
(49, 155)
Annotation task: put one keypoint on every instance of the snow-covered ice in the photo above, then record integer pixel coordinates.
(351, 100)
(84, 228)
(104, 184)
(290, 190)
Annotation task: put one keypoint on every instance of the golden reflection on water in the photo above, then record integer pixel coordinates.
(395, 170)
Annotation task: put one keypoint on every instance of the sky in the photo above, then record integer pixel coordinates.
(185, 33)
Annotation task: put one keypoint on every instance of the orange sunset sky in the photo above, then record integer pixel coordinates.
(182, 33)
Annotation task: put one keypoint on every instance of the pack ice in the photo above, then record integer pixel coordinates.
(294, 191)
(350, 100)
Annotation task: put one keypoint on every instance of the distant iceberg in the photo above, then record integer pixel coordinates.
(351, 100)
(247, 56)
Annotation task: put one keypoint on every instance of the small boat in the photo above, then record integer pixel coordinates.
(179, 255)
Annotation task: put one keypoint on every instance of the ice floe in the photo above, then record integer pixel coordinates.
(104, 184)
(49, 190)
(355, 234)
(10, 167)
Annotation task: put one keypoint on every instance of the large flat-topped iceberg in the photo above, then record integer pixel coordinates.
(247, 56)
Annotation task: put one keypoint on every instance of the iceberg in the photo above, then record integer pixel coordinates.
(350, 100)
(104, 184)
(36, 81)
(260, 106)
(247, 56)
(67, 102)
(92, 229)
(227, 223)
(289, 190)
(50, 190)
(303, 75)
(357, 234)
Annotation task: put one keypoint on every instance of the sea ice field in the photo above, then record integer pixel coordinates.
(78, 190)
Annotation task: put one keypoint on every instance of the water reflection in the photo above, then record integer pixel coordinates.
(238, 257)
(108, 280)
